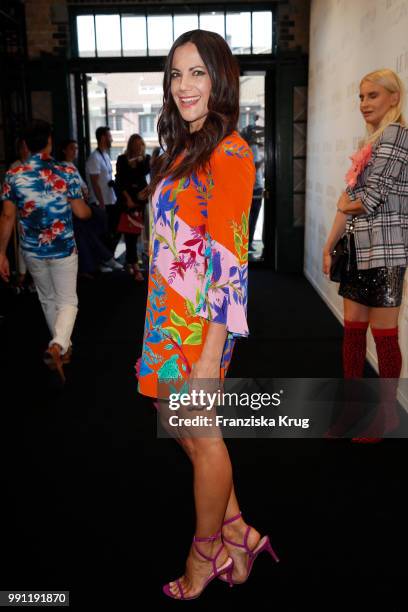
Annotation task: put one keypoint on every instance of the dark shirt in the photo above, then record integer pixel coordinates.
(131, 179)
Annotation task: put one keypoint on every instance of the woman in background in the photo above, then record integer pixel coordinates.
(374, 210)
(132, 169)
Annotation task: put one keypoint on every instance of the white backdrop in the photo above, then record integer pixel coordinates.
(348, 38)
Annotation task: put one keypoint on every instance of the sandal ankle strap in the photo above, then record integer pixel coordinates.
(212, 538)
(244, 545)
(232, 519)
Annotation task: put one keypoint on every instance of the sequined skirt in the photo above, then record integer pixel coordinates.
(378, 287)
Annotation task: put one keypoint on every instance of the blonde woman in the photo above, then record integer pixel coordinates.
(374, 208)
(132, 169)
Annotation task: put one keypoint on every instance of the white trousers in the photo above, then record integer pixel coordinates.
(56, 282)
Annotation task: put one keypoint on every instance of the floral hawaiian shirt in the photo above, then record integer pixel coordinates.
(41, 190)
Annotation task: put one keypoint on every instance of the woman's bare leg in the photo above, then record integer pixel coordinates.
(353, 311)
(215, 502)
(212, 483)
(235, 532)
(383, 318)
(212, 489)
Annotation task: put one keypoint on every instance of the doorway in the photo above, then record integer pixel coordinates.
(130, 102)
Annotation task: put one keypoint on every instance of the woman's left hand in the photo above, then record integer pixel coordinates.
(350, 207)
(202, 369)
(204, 377)
(327, 260)
(343, 202)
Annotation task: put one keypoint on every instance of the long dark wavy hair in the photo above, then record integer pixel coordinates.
(223, 109)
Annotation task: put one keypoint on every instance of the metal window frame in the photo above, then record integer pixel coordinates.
(170, 10)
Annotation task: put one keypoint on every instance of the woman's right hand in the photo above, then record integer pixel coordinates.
(327, 260)
(142, 195)
(130, 203)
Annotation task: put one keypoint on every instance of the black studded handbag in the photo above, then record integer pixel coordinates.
(339, 258)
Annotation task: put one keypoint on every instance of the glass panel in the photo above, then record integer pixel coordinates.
(86, 35)
(73, 106)
(96, 105)
(115, 121)
(184, 23)
(108, 35)
(135, 100)
(214, 22)
(299, 103)
(299, 139)
(262, 32)
(134, 35)
(299, 209)
(239, 32)
(251, 123)
(299, 173)
(147, 126)
(160, 32)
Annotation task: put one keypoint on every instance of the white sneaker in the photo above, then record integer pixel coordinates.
(113, 264)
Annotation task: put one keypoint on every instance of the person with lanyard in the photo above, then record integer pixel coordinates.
(93, 254)
(101, 185)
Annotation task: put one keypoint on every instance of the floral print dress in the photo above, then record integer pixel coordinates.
(198, 269)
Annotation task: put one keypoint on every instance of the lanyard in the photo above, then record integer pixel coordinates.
(108, 166)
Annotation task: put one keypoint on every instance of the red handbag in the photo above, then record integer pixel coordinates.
(130, 222)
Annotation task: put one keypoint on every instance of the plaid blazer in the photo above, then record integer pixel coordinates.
(381, 235)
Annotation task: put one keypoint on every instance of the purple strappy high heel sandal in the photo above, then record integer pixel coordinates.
(225, 569)
(263, 544)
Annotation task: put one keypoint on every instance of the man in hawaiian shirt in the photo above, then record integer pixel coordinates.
(44, 195)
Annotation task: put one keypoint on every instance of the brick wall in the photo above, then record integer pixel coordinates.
(293, 25)
(48, 27)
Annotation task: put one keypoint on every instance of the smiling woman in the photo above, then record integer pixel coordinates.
(198, 280)
(201, 90)
(190, 86)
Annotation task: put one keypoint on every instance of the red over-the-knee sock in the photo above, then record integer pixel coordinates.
(354, 348)
(354, 353)
(386, 417)
(388, 352)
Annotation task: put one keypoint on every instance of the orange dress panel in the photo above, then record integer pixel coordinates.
(198, 268)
